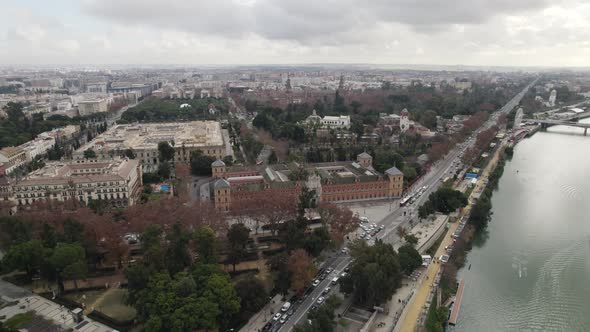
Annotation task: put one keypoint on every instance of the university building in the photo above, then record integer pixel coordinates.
(143, 139)
(332, 182)
(117, 182)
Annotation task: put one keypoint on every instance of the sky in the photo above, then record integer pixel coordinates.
(196, 32)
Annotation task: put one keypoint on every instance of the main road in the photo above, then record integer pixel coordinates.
(432, 180)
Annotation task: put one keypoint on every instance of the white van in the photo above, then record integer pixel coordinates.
(286, 306)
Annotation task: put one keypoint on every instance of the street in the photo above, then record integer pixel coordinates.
(396, 218)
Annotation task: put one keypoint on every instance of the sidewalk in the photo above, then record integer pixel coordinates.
(416, 308)
(264, 315)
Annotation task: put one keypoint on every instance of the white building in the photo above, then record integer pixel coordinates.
(143, 140)
(404, 122)
(11, 158)
(552, 97)
(38, 147)
(335, 122)
(117, 182)
(87, 107)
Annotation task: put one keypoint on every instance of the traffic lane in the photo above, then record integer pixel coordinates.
(312, 297)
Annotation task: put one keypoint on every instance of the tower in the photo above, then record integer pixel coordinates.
(364, 159)
(341, 83)
(395, 179)
(218, 169)
(404, 122)
(222, 195)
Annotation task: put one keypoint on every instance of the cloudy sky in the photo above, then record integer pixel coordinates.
(193, 32)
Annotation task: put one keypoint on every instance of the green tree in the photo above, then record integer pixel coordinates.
(26, 256)
(200, 163)
(164, 170)
(272, 159)
(75, 271)
(65, 255)
(409, 258)
(206, 244)
(73, 232)
(375, 272)
(129, 153)
(411, 239)
(238, 236)
(253, 296)
(165, 152)
(177, 257)
(89, 154)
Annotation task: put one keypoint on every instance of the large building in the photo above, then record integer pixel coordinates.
(11, 158)
(334, 122)
(87, 107)
(143, 139)
(117, 182)
(332, 182)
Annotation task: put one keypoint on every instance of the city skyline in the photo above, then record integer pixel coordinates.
(234, 32)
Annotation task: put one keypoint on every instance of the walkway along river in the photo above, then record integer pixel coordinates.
(530, 271)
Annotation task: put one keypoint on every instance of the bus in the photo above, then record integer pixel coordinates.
(406, 199)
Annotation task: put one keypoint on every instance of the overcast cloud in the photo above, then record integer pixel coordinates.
(470, 32)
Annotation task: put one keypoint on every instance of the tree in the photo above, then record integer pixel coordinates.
(74, 271)
(272, 159)
(302, 270)
(375, 272)
(205, 244)
(340, 220)
(401, 232)
(129, 153)
(253, 296)
(26, 256)
(177, 257)
(238, 236)
(409, 258)
(73, 232)
(228, 160)
(89, 154)
(164, 170)
(165, 152)
(317, 241)
(65, 255)
(200, 163)
(411, 239)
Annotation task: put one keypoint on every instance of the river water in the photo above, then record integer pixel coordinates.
(531, 271)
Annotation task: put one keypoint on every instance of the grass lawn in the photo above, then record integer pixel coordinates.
(111, 302)
(19, 320)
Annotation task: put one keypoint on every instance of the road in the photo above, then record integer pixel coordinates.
(396, 218)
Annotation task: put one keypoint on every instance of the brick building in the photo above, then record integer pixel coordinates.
(332, 182)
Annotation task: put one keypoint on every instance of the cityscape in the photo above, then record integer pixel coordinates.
(283, 171)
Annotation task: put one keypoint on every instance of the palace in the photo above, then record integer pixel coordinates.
(332, 182)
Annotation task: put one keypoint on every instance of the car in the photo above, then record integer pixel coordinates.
(329, 270)
(364, 220)
(290, 312)
(267, 327)
(344, 250)
(286, 306)
(284, 319)
(277, 316)
(313, 307)
(323, 276)
(326, 290)
(316, 283)
(363, 234)
(347, 269)
(320, 300)
(343, 274)
(444, 258)
(381, 227)
(374, 225)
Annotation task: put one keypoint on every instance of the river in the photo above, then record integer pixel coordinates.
(531, 271)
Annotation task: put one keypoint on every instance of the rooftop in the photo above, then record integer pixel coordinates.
(147, 136)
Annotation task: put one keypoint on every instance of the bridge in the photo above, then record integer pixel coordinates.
(548, 123)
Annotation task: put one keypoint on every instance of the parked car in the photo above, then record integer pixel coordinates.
(320, 300)
(316, 282)
(326, 290)
(284, 319)
(277, 316)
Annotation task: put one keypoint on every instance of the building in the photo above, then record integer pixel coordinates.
(143, 139)
(335, 122)
(116, 181)
(553, 98)
(11, 158)
(404, 122)
(87, 107)
(38, 147)
(97, 87)
(332, 182)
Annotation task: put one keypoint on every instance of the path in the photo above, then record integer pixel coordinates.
(416, 308)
